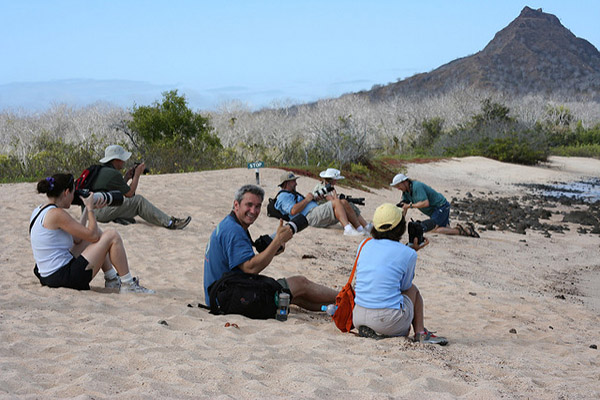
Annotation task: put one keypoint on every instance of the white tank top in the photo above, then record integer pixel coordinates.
(51, 247)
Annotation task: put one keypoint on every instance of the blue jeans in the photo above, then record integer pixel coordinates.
(441, 216)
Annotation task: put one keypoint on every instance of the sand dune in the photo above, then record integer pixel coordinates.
(97, 344)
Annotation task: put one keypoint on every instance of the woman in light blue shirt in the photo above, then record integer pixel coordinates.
(387, 302)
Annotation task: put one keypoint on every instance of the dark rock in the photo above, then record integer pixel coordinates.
(513, 330)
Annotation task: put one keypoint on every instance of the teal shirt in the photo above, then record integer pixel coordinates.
(419, 192)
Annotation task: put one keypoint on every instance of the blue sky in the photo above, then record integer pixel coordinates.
(259, 52)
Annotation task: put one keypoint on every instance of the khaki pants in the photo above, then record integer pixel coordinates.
(131, 207)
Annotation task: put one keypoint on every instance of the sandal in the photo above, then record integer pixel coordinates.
(472, 231)
(365, 331)
(462, 231)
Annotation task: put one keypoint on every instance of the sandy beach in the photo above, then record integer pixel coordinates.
(521, 312)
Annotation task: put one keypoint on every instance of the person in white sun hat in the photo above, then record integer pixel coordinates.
(329, 178)
(290, 203)
(109, 178)
(418, 195)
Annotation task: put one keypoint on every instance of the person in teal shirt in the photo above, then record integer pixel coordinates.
(416, 194)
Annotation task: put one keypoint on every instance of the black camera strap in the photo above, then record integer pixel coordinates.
(38, 214)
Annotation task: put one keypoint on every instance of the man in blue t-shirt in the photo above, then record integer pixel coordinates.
(290, 203)
(416, 194)
(230, 249)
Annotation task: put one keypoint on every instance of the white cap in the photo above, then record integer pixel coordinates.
(331, 173)
(115, 152)
(398, 179)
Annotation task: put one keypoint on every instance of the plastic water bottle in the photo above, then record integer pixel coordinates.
(283, 304)
(330, 309)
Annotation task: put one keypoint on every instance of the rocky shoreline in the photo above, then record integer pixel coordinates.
(548, 214)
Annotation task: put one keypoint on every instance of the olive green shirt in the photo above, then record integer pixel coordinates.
(110, 179)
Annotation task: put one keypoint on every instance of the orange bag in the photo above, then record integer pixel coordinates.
(345, 301)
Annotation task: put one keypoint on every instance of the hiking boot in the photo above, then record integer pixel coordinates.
(430, 338)
(134, 287)
(177, 223)
(112, 283)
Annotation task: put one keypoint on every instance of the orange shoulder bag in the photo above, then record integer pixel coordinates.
(345, 300)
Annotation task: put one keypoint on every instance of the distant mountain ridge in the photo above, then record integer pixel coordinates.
(534, 54)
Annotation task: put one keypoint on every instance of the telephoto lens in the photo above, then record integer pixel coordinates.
(323, 191)
(298, 223)
(113, 198)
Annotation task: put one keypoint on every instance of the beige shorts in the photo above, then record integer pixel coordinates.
(385, 321)
(322, 216)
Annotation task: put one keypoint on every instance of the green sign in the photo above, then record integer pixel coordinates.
(256, 164)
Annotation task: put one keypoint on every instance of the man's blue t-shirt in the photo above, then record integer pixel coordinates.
(228, 247)
(286, 200)
(419, 192)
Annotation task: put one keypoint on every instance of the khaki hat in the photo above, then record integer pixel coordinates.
(387, 216)
(398, 179)
(331, 173)
(287, 176)
(115, 152)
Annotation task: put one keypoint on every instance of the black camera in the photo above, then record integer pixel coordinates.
(113, 198)
(400, 204)
(297, 223)
(146, 170)
(415, 230)
(323, 191)
(356, 200)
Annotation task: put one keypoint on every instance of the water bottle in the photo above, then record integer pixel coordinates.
(330, 309)
(283, 304)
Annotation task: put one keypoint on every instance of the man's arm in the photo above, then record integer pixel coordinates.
(261, 260)
(298, 207)
(419, 204)
(135, 180)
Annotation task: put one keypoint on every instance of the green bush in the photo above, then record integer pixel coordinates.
(586, 150)
(171, 120)
(49, 156)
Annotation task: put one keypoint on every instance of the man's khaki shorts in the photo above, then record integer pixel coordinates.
(322, 216)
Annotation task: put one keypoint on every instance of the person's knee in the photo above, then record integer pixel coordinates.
(111, 235)
(298, 285)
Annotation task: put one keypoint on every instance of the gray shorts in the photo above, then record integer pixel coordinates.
(385, 321)
(322, 216)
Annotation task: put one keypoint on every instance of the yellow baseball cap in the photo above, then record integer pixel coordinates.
(387, 216)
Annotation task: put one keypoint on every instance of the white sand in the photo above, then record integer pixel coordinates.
(96, 344)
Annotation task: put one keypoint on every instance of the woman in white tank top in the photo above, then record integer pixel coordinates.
(69, 253)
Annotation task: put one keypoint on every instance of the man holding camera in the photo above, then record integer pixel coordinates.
(329, 178)
(230, 249)
(289, 202)
(418, 195)
(109, 178)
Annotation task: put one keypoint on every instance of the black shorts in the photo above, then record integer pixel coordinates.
(74, 275)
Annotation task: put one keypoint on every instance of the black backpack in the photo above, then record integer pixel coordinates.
(275, 213)
(251, 295)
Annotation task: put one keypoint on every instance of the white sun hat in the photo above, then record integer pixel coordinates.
(115, 152)
(398, 179)
(331, 173)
